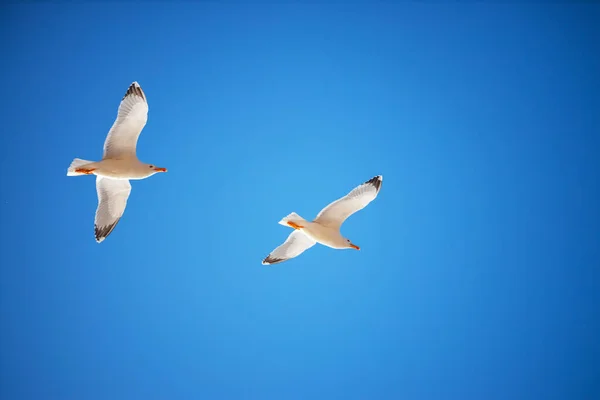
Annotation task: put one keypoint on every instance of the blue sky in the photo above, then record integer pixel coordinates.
(477, 276)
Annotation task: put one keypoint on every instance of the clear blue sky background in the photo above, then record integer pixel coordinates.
(478, 271)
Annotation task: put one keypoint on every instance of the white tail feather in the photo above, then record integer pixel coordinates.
(292, 217)
(77, 163)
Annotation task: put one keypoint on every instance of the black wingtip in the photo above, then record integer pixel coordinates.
(102, 233)
(272, 260)
(134, 90)
(375, 181)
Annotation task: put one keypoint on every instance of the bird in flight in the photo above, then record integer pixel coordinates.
(325, 229)
(119, 163)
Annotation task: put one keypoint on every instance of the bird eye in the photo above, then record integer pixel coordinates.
(151, 166)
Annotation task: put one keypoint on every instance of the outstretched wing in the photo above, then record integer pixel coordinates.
(296, 244)
(337, 212)
(122, 138)
(112, 199)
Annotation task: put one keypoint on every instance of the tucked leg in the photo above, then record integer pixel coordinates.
(87, 171)
(294, 225)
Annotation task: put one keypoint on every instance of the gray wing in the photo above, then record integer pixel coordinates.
(112, 199)
(121, 141)
(296, 244)
(337, 212)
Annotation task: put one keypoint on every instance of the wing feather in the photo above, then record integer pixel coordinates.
(121, 141)
(296, 244)
(337, 212)
(112, 200)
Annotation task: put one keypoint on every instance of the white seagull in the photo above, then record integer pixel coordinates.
(325, 229)
(119, 163)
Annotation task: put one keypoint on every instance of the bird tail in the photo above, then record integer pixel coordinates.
(77, 163)
(294, 218)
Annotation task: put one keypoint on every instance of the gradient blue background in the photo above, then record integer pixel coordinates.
(478, 271)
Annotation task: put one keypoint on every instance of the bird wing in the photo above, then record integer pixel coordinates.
(337, 212)
(122, 138)
(296, 244)
(112, 199)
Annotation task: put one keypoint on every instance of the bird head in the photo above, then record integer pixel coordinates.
(154, 169)
(351, 245)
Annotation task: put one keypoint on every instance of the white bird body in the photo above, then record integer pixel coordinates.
(128, 168)
(322, 234)
(119, 163)
(325, 229)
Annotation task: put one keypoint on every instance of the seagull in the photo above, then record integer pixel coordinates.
(325, 229)
(119, 163)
